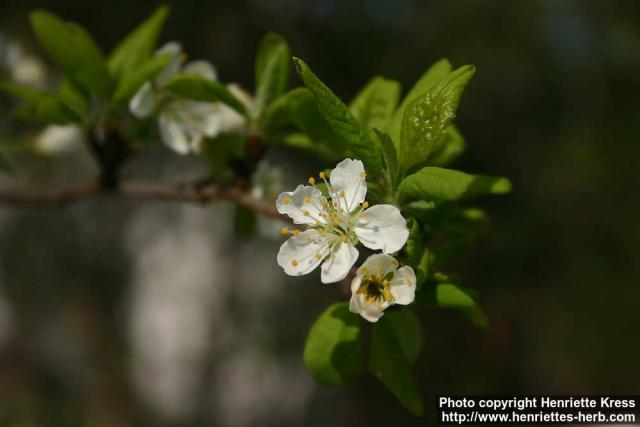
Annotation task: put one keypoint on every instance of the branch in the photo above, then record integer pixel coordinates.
(141, 191)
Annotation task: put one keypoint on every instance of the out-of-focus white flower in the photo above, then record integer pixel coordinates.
(336, 225)
(378, 284)
(56, 139)
(183, 124)
(267, 182)
(25, 69)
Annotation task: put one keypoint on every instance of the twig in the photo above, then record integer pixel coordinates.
(140, 191)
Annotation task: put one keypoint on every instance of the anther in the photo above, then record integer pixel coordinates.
(294, 262)
(322, 175)
(312, 181)
(296, 233)
(284, 230)
(286, 200)
(365, 204)
(305, 213)
(363, 174)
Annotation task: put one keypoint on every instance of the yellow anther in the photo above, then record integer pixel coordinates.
(318, 256)
(305, 213)
(324, 204)
(394, 263)
(294, 262)
(322, 175)
(361, 215)
(296, 233)
(320, 230)
(363, 174)
(286, 200)
(407, 280)
(284, 230)
(343, 238)
(365, 204)
(307, 199)
(342, 194)
(312, 181)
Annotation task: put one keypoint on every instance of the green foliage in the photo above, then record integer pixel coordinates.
(448, 149)
(438, 184)
(41, 106)
(388, 362)
(427, 116)
(74, 50)
(451, 296)
(373, 107)
(197, 88)
(333, 353)
(75, 98)
(433, 75)
(407, 330)
(137, 47)
(271, 70)
(132, 81)
(340, 119)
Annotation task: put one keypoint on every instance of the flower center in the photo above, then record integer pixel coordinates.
(376, 288)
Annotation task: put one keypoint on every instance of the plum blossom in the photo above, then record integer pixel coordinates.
(335, 225)
(55, 139)
(184, 124)
(378, 284)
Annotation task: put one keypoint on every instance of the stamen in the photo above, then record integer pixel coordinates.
(307, 199)
(363, 174)
(394, 263)
(312, 181)
(284, 230)
(365, 204)
(286, 201)
(305, 213)
(295, 233)
(322, 175)
(318, 256)
(294, 262)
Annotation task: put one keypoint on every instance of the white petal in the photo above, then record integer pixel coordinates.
(57, 139)
(231, 120)
(298, 255)
(355, 283)
(349, 176)
(369, 311)
(201, 68)
(173, 134)
(383, 227)
(173, 66)
(378, 263)
(403, 285)
(143, 102)
(339, 263)
(304, 199)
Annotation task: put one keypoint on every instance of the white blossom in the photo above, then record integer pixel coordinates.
(24, 68)
(335, 225)
(56, 139)
(378, 284)
(184, 124)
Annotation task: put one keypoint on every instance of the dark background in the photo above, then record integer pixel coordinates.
(123, 313)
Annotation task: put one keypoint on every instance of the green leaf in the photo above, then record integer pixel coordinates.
(74, 97)
(390, 159)
(244, 222)
(333, 352)
(130, 82)
(41, 106)
(74, 50)
(340, 119)
(460, 228)
(428, 115)
(448, 149)
(438, 184)
(408, 331)
(138, 46)
(271, 69)
(451, 296)
(373, 107)
(433, 75)
(389, 364)
(197, 88)
(412, 250)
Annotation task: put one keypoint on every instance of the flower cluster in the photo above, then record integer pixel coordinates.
(337, 218)
(184, 124)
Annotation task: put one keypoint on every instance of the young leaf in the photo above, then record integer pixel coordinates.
(272, 70)
(133, 80)
(373, 107)
(333, 352)
(74, 50)
(340, 119)
(408, 331)
(138, 46)
(412, 250)
(197, 88)
(74, 97)
(388, 363)
(427, 116)
(41, 106)
(390, 157)
(433, 75)
(448, 149)
(437, 184)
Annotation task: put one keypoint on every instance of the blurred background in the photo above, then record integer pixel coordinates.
(122, 313)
